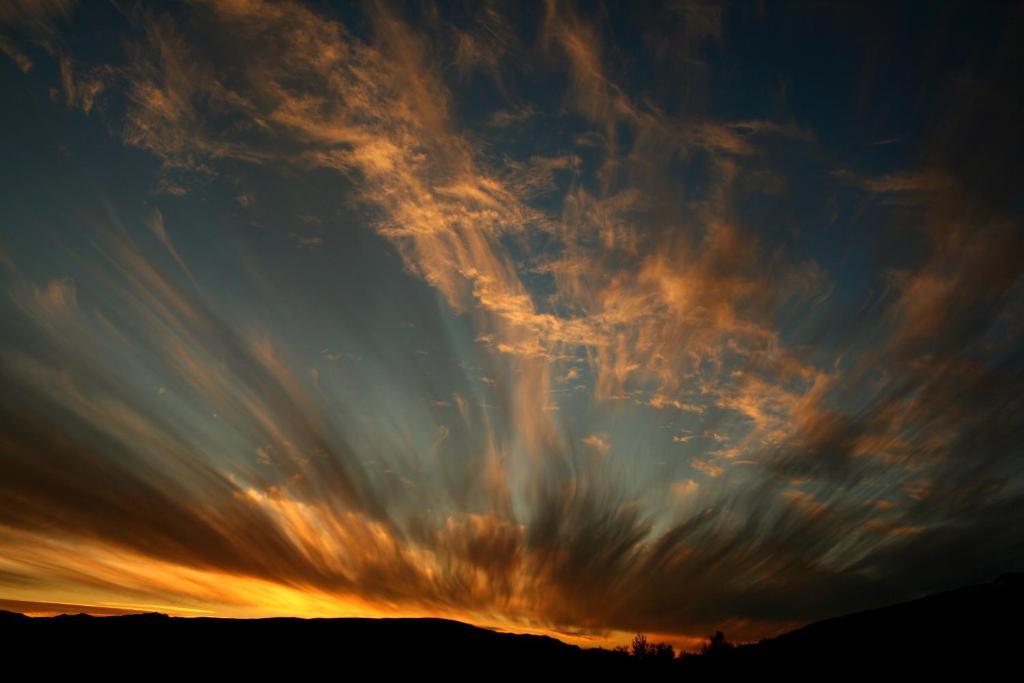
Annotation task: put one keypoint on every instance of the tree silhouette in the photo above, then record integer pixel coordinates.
(641, 648)
(663, 651)
(644, 649)
(716, 645)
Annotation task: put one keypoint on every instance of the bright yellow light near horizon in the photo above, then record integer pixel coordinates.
(111, 578)
(108, 580)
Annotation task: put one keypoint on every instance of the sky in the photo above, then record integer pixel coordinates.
(570, 318)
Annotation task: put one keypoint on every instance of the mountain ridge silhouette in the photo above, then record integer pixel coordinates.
(966, 628)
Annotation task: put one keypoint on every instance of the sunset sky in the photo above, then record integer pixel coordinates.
(582, 319)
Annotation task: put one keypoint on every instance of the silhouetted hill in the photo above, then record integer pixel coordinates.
(976, 627)
(286, 644)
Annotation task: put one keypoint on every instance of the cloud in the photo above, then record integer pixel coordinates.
(598, 442)
(82, 89)
(29, 24)
(8, 47)
(923, 181)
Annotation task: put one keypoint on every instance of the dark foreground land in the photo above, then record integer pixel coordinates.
(974, 633)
